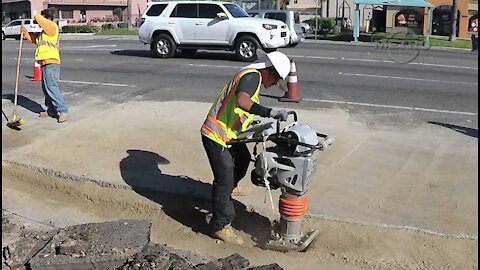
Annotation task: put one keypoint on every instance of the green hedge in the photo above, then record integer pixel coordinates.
(108, 26)
(80, 29)
(123, 25)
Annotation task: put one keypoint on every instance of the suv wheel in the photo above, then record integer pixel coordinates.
(246, 48)
(163, 46)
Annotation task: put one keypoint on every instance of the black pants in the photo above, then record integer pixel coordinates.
(229, 166)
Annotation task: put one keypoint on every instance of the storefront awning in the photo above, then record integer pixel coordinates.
(406, 3)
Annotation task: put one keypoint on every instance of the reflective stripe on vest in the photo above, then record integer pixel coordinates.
(225, 119)
(47, 47)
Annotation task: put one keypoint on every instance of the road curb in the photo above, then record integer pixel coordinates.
(92, 36)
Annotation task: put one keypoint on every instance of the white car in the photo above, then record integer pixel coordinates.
(12, 29)
(192, 25)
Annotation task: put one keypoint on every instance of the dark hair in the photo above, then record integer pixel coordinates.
(273, 71)
(47, 14)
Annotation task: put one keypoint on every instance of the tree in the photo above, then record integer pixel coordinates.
(453, 22)
(278, 4)
(129, 14)
(118, 12)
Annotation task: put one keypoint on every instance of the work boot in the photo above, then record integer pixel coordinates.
(47, 114)
(228, 235)
(240, 191)
(62, 117)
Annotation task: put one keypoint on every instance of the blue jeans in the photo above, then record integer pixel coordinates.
(51, 89)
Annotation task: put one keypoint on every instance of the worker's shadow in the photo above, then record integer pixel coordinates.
(24, 102)
(464, 130)
(182, 198)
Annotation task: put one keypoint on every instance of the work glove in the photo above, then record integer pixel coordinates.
(281, 115)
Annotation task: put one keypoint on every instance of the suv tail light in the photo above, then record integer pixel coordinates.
(142, 20)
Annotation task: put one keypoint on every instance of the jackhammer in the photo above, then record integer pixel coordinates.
(288, 166)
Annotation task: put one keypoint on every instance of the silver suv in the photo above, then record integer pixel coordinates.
(211, 25)
(290, 17)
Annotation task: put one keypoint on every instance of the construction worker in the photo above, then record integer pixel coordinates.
(231, 113)
(48, 57)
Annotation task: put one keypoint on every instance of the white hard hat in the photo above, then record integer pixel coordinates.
(278, 60)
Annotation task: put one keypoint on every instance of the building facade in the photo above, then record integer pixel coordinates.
(76, 11)
(389, 18)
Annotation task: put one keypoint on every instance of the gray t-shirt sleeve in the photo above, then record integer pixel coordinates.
(248, 83)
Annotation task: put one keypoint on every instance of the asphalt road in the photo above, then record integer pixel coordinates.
(437, 86)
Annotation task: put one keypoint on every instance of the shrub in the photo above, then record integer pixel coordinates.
(80, 29)
(108, 26)
(123, 25)
(326, 24)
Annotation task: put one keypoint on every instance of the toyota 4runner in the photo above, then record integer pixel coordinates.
(210, 25)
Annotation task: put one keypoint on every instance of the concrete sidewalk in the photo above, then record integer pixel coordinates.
(420, 178)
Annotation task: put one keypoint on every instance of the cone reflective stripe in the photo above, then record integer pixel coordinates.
(37, 72)
(293, 93)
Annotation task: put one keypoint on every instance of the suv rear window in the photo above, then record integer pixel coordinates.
(156, 10)
(185, 11)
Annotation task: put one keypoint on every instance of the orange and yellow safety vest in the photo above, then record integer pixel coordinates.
(225, 120)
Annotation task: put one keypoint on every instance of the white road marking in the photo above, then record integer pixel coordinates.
(98, 83)
(378, 60)
(214, 66)
(403, 78)
(361, 60)
(87, 47)
(438, 65)
(313, 57)
(389, 106)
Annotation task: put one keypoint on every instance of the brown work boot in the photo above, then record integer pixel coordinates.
(47, 114)
(62, 117)
(228, 235)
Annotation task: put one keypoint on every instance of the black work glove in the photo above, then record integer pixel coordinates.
(282, 115)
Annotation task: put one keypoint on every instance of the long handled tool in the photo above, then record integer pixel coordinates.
(14, 122)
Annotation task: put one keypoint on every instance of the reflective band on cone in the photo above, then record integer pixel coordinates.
(293, 93)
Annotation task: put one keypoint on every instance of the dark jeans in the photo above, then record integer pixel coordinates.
(229, 166)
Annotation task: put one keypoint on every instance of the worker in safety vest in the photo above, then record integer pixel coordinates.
(48, 57)
(231, 113)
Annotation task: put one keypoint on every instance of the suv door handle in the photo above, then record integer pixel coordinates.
(171, 22)
(198, 23)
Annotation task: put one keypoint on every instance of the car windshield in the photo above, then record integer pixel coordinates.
(236, 11)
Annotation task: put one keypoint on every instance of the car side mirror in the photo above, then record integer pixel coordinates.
(222, 16)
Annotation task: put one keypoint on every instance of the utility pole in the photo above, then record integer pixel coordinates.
(129, 14)
(316, 19)
(328, 8)
(453, 22)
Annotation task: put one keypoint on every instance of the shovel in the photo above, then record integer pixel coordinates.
(14, 122)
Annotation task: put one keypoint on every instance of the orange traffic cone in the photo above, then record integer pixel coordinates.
(293, 93)
(37, 72)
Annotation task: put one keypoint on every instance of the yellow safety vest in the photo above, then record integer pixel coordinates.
(47, 47)
(225, 120)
